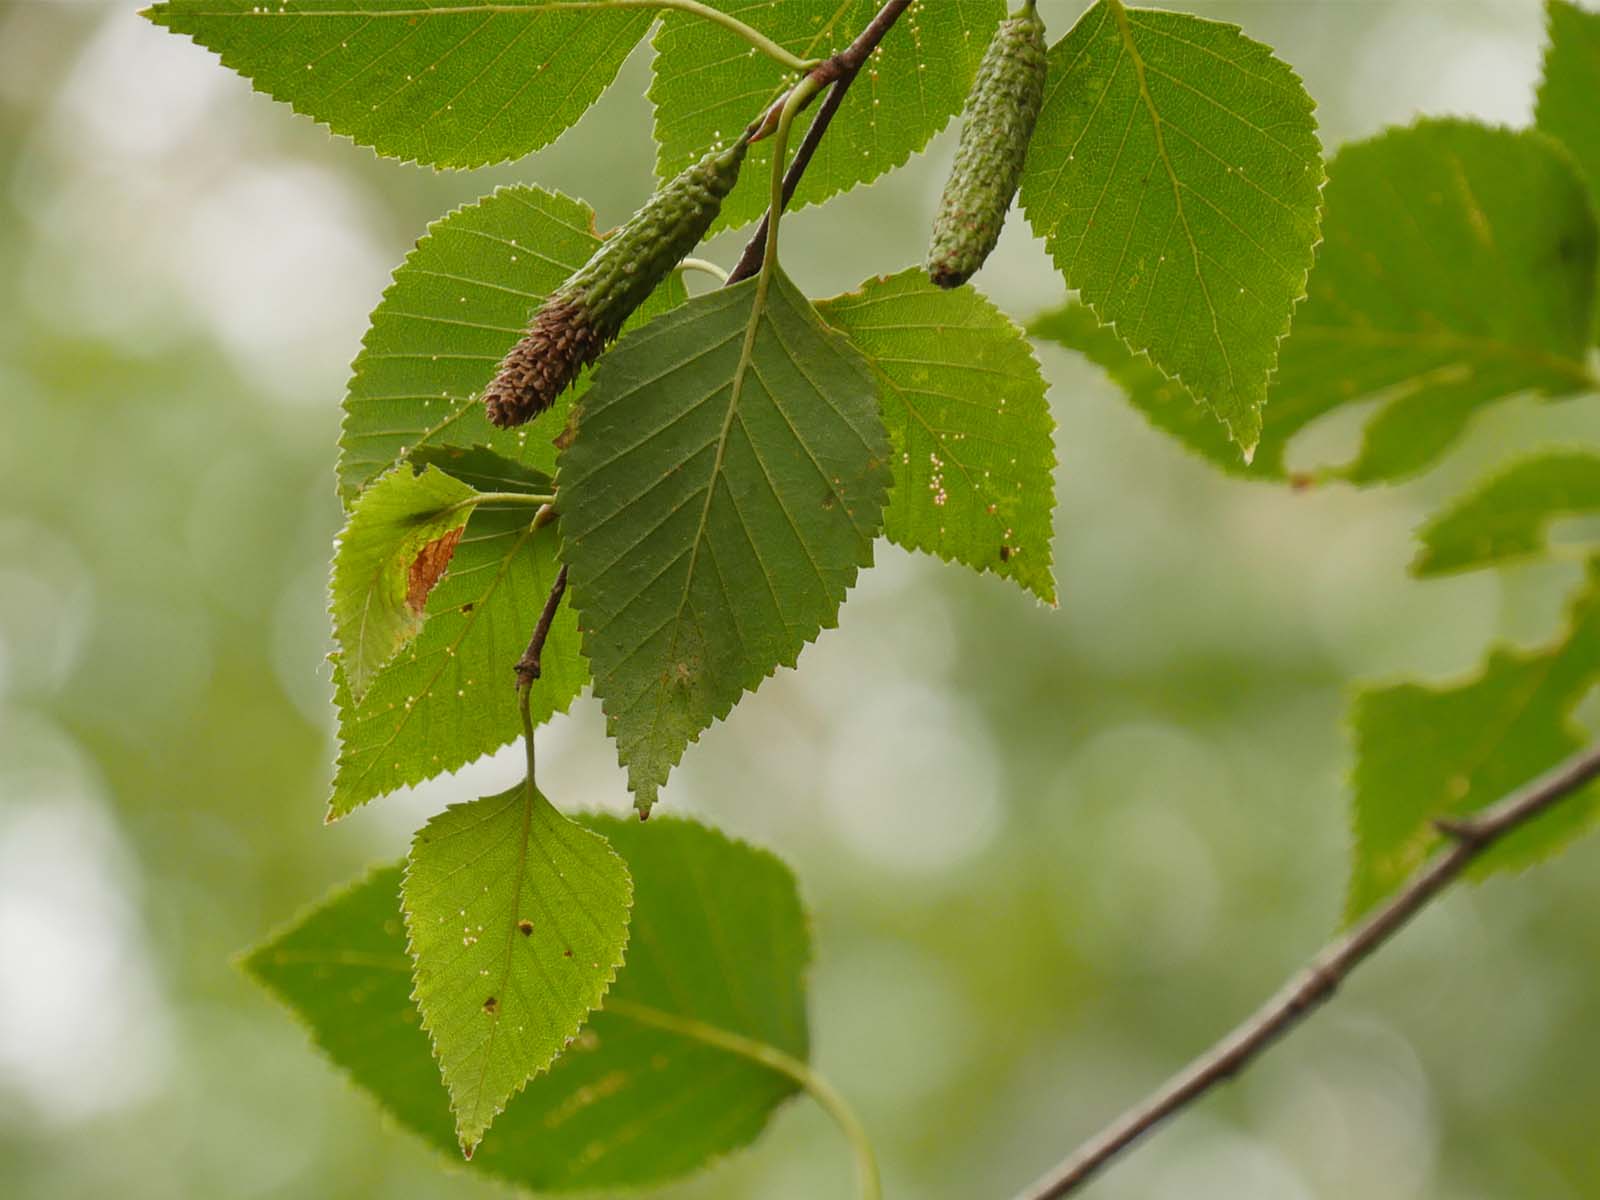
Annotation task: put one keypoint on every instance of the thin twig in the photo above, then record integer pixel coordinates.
(528, 666)
(840, 71)
(1314, 985)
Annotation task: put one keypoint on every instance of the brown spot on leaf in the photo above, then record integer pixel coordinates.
(1005, 553)
(427, 567)
(525, 927)
(491, 1006)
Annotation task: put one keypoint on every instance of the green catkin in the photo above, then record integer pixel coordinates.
(997, 126)
(582, 317)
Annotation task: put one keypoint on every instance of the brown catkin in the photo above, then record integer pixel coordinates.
(582, 317)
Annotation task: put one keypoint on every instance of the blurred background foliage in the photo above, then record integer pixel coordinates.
(1051, 854)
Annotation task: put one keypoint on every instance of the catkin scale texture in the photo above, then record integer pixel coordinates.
(585, 314)
(1001, 112)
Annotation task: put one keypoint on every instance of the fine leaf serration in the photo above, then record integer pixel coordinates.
(972, 439)
(447, 85)
(716, 505)
(1175, 176)
(458, 302)
(517, 920)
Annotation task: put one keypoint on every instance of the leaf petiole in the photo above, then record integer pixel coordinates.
(769, 1056)
(521, 498)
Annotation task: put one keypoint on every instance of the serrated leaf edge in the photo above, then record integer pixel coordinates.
(568, 1038)
(1052, 600)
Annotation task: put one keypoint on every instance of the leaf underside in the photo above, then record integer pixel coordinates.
(1165, 403)
(1426, 753)
(1175, 178)
(971, 436)
(708, 85)
(447, 85)
(717, 934)
(715, 510)
(517, 920)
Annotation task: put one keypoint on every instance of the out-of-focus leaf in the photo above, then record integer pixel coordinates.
(971, 435)
(1506, 518)
(1427, 753)
(395, 546)
(1164, 402)
(718, 937)
(1570, 90)
(518, 919)
(1459, 269)
(716, 507)
(451, 85)
(461, 299)
(709, 85)
(450, 697)
(1175, 176)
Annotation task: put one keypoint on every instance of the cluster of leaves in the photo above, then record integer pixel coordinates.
(1459, 270)
(724, 473)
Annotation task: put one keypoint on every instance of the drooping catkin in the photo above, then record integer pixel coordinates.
(584, 315)
(998, 123)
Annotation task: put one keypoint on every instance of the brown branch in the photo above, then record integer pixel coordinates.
(528, 668)
(1314, 985)
(840, 71)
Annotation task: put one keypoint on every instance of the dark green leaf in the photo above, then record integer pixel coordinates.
(447, 85)
(717, 502)
(1175, 177)
(970, 432)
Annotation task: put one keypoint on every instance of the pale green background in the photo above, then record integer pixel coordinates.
(1051, 853)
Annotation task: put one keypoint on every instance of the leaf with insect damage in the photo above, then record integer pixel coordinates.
(719, 941)
(517, 919)
(972, 439)
(396, 544)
